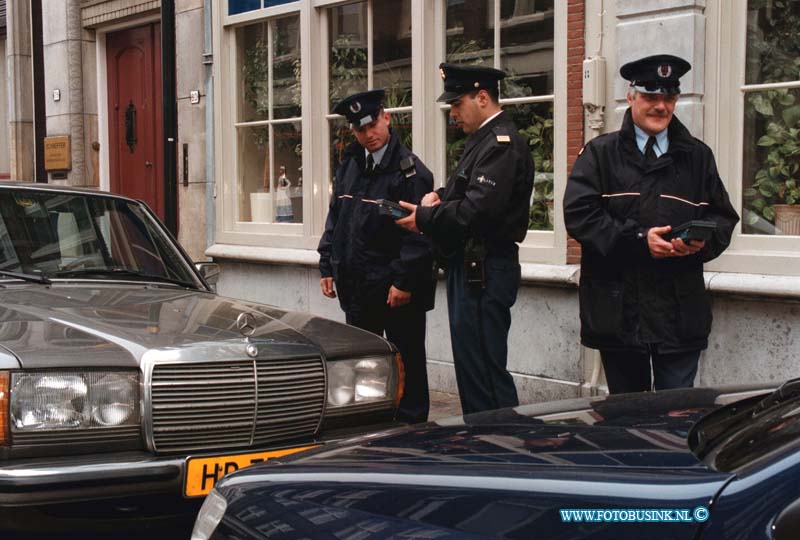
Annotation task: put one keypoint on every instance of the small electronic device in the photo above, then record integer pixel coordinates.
(693, 230)
(391, 209)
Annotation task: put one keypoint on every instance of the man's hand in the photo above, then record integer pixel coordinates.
(430, 199)
(662, 249)
(326, 284)
(410, 221)
(659, 248)
(682, 248)
(397, 297)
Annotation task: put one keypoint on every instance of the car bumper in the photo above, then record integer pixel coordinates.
(90, 490)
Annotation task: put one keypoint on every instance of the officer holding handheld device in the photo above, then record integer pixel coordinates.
(648, 207)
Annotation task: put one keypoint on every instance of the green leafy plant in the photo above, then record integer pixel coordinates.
(539, 132)
(348, 70)
(773, 55)
(776, 182)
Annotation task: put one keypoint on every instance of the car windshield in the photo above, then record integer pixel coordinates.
(48, 235)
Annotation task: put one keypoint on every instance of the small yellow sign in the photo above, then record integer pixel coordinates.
(203, 473)
(57, 153)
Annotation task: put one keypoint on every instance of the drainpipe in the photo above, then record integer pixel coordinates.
(170, 115)
(208, 61)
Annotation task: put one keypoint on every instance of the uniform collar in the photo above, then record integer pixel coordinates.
(485, 128)
(662, 140)
(490, 118)
(679, 137)
(377, 155)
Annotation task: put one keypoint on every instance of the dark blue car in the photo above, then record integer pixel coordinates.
(681, 464)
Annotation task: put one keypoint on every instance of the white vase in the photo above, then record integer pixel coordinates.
(261, 207)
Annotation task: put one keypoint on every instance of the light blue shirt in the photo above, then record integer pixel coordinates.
(662, 141)
(377, 155)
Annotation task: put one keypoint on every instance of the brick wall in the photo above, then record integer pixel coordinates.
(576, 18)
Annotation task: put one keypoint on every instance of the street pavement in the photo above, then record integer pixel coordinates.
(444, 405)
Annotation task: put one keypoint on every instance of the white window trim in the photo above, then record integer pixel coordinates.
(428, 125)
(539, 246)
(723, 118)
(258, 14)
(228, 229)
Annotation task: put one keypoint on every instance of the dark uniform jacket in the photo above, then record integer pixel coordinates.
(488, 196)
(360, 247)
(613, 196)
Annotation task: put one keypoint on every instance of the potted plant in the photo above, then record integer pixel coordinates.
(774, 114)
(775, 191)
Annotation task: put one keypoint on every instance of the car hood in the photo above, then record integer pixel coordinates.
(626, 451)
(646, 432)
(115, 325)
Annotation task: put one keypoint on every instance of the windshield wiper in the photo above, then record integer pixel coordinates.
(709, 431)
(121, 273)
(34, 278)
(787, 390)
(717, 425)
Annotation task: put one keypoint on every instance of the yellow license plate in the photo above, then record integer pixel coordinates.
(203, 473)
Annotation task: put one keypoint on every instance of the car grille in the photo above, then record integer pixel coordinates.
(215, 405)
(78, 437)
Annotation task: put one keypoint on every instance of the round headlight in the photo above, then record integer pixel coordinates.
(113, 399)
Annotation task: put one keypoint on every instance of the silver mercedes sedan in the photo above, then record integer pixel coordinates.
(128, 388)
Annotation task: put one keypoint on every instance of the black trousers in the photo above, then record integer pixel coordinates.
(629, 371)
(479, 323)
(365, 307)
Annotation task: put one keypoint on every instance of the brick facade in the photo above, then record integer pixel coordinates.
(576, 45)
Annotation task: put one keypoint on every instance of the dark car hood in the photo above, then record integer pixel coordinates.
(646, 431)
(627, 451)
(114, 325)
(635, 431)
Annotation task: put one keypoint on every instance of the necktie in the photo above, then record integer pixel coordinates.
(649, 152)
(370, 164)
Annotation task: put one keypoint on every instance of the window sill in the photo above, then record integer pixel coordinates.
(553, 275)
(260, 254)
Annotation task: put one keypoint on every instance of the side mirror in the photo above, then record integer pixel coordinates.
(208, 271)
(787, 523)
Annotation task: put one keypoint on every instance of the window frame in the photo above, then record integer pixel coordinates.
(428, 124)
(726, 92)
(322, 7)
(230, 230)
(539, 246)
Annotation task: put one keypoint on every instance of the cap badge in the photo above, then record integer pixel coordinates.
(664, 71)
(476, 84)
(355, 107)
(443, 74)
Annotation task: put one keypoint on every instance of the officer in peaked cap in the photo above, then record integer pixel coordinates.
(643, 301)
(658, 74)
(382, 274)
(361, 109)
(475, 222)
(460, 80)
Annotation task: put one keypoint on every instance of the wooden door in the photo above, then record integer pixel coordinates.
(134, 109)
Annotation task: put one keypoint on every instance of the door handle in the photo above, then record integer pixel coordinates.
(148, 164)
(130, 126)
